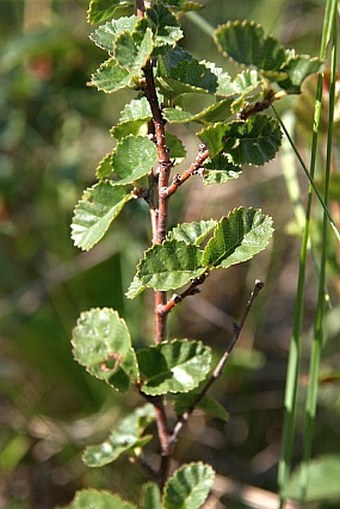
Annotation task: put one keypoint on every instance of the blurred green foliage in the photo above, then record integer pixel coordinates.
(53, 131)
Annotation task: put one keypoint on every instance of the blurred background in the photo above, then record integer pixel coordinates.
(53, 132)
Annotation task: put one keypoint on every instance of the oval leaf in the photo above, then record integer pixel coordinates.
(102, 344)
(246, 43)
(237, 238)
(255, 141)
(189, 486)
(94, 213)
(87, 499)
(178, 366)
(170, 265)
(133, 158)
(164, 25)
(111, 77)
(101, 10)
(123, 438)
(105, 35)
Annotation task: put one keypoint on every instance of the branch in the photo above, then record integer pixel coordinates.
(140, 8)
(178, 180)
(219, 368)
(176, 299)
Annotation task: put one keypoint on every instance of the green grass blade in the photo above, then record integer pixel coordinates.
(294, 354)
(314, 368)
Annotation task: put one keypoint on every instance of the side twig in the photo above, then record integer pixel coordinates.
(177, 298)
(219, 368)
(193, 169)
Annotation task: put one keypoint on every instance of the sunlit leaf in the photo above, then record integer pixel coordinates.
(213, 137)
(125, 437)
(151, 496)
(164, 25)
(102, 344)
(104, 168)
(133, 49)
(180, 73)
(170, 265)
(96, 210)
(176, 366)
(136, 288)
(219, 177)
(134, 115)
(133, 158)
(105, 35)
(323, 480)
(192, 233)
(255, 141)
(299, 67)
(93, 499)
(237, 238)
(246, 43)
(188, 487)
(111, 77)
(101, 10)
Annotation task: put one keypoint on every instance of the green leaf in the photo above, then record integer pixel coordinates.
(323, 480)
(247, 44)
(217, 112)
(124, 438)
(104, 168)
(219, 177)
(133, 158)
(183, 5)
(102, 344)
(133, 49)
(237, 238)
(175, 146)
(164, 25)
(93, 499)
(170, 265)
(209, 405)
(151, 496)
(106, 35)
(136, 288)
(254, 141)
(180, 73)
(131, 52)
(213, 137)
(192, 233)
(222, 163)
(134, 116)
(111, 77)
(176, 366)
(101, 10)
(189, 486)
(299, 67)
(94, 213)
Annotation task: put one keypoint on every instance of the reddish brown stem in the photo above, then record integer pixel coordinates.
(140, 8)
(191, 290)
(219, 368)
(180, 179)
(160, 212)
